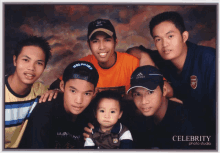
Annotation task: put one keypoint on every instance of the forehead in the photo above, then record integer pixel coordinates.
(33, 52)
(140, 89)
(100, 34)
(164, 27)
(108, 103)
(80, 85)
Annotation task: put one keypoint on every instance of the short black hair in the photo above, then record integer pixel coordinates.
(171, 16)
(34, 41)
(109, 94)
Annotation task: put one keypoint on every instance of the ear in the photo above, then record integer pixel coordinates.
(88, 43)
(14, 60)
(164, 90)
(185, 36)
(120, 114)
(95, 92)
(62, 86)
(116, 41)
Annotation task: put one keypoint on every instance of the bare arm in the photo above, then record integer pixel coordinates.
(144, 57)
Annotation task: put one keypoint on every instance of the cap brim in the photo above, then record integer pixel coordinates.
(110, 33)
(137, 87)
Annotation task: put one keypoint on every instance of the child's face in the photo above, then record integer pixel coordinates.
(148, 102)
(30, 64)
(107, 113)
(103, 47)
(168, 40)
(77, 95)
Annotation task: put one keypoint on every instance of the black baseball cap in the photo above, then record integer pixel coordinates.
(147, 76)
(81, 70)
(103, 25)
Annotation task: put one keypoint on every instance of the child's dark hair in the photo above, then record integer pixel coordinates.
(34, 41)
(109, 94)
(171, 16)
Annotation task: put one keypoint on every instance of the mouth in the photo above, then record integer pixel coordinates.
(76, 108)
(103, 55)
(106, 121)
(147, 109)
(167, 51)
(29, 76)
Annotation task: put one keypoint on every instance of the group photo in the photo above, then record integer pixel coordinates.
(123, 76)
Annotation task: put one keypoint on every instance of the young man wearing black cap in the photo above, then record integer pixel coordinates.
(60, 123)
(114, 68)
(168, 119)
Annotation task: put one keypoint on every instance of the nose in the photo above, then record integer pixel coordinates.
(79, 99)
(107, 115)
(31, 66)
(165, 42)
(145, 100)
(101, 45)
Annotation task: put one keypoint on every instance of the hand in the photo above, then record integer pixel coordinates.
(88, 130)
(176, 100)
(49, 95)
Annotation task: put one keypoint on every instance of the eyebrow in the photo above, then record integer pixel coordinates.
(30, 58)
(169, 32)
(83, 91)
(166, 34)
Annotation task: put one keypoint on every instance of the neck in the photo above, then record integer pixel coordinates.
(104, 129)
(73, 118)
(17, 86)
(179, 62)
(159, 115)
(111, 62)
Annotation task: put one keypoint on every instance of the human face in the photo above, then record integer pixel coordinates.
(107, 113)
(30, 64)
(103, 48)
(169, 42)
(148, 102)
(77, 95)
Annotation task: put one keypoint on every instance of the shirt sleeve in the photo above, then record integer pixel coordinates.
(39, 127)
(126, 140)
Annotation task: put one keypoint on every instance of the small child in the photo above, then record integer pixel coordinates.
(110, 134)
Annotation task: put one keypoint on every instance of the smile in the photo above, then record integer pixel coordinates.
(146, 109)
(76, 108)
(103, 54)
(167, 51)
(29, 76)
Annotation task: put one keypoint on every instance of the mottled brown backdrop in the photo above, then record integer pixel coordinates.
(65, 28)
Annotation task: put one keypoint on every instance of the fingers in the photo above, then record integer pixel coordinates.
(85, 135)
(91, 126)
(55, 95)
(176, 100)
(41, 98)
(48, 96)
(88, 130)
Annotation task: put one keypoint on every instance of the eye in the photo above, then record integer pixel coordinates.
(108, 39)
(112, 111)
(94, 41)
(102, 111)
(136, 94)
(87, 93)
(39, 63)
(170, 36)
(73, 91)
(157, 40)
(149, 92)
(26, 60)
